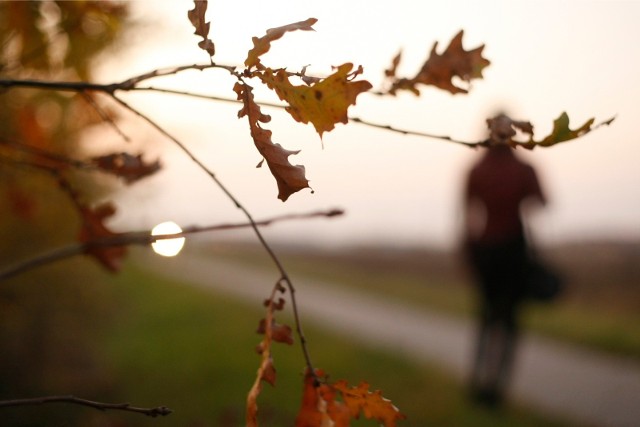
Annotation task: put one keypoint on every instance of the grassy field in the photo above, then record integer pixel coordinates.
(599, 308)
(194, 352)
(157, 342)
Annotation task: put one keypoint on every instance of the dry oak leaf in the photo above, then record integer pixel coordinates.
(313, 409)
(93, 229)
(127, 166)
(290, 178)
(440, 69)
(360, 400)
(320, 407)
(266, 372)
(324, 103)
(562, 132)
(279, 333)
(196, 16)
(263, 44)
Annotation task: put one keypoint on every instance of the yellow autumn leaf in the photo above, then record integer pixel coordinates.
(561, 132)
(323, 103)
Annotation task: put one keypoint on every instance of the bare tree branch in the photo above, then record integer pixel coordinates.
(125, 85)
(150, 412)
(143, 238)
(131, 85)
(281, 106)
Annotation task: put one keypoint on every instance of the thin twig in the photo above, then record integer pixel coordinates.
(131, 85)
(413, 132)
(150, 412)
(247, 214)
(125, 85)
(105, 117)
(143, 238)
(44, 155)
(282, 106)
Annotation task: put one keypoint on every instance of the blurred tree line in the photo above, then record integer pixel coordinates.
(48, 323)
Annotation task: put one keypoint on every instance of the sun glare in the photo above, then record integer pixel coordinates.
(167, 247)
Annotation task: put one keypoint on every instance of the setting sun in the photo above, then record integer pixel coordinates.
(167, 247)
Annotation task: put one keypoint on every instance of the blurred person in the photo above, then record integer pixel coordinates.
(497, 188)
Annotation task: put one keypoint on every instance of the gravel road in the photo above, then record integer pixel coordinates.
(592, 388)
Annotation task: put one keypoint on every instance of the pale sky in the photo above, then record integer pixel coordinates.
(546, 58)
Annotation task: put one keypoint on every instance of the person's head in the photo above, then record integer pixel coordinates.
(501, 130)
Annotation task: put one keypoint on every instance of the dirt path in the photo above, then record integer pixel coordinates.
(589, 387)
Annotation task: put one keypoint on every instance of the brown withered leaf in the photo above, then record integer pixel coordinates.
(322, 103)
(263, 44)
(266, 371)
(196, 16)
(277, 305)
(126, 166)
(290, 178)
(93, 228)
(279, 333)
(440, 69)
(391, 72)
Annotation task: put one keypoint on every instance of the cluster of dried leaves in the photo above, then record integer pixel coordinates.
(323, 403)
(322, 102)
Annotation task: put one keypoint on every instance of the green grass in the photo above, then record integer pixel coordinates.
(193, 351)
(611, 328)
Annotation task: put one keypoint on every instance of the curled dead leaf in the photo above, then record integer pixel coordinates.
(196, 16)
(263, 44)
(279, 333)
(289, 178)
(93, 228)
(126, 166)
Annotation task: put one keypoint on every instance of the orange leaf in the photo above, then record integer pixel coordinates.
(290, 178)
(313, 408)
(263, 44)
(360, 400)
(324, 103)
(196, 16)
(440, 69)
(93, 228)
(338, 412)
